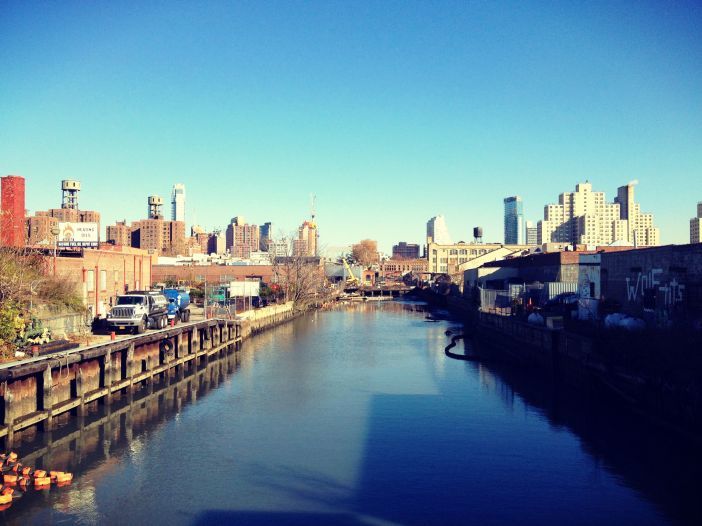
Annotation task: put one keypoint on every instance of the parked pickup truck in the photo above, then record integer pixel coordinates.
(138, 311)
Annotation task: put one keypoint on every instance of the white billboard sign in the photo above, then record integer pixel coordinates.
(78, 235)
(239, 289)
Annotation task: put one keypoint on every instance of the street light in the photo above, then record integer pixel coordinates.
(55, 233)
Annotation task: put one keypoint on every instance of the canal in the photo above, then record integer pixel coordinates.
(356, 416)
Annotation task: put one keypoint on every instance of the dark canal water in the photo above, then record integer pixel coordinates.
(357, 417)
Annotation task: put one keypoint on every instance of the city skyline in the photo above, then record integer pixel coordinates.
(417, 110)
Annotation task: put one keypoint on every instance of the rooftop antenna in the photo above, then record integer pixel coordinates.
(313, 207)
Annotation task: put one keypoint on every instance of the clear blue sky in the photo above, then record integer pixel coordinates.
(390, 112)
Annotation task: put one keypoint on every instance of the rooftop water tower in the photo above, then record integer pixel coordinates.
(155, 207)
(69, 194)
(478, 234)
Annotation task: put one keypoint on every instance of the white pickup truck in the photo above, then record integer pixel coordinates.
(138, 311)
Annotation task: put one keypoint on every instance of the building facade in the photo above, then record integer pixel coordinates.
(12, 224)
(514, 220)
(399, 267)
(101, 275)
(584, 217)
(265, 236)
(242, 238)
(531, 233)
(447, 259)
(36, 227)
(119, 234)
(216, 243)
(437, 231)
(306, 243)
(696, 226)
(404, 250)
(39, 231)
(162, 237)
(178, 202)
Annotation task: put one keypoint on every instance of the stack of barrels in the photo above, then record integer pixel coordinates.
(17, 478)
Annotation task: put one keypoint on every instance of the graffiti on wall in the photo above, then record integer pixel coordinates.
(672, 290)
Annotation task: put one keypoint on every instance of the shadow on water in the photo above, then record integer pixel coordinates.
(480, 483)
(659, 463)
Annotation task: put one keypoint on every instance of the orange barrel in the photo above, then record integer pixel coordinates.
(64, 477)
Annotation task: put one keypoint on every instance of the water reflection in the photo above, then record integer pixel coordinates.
(92, 444)
(356, 416)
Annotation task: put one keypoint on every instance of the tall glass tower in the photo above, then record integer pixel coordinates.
(514, 220)
(178, 202)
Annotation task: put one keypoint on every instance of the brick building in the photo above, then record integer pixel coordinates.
(100, 275)
(119, 234)
(242, 238)
(12, 229)
(194, 274)
(404, 250)
(395, 268)
(39, 230)
(662, 285)
(163, 237)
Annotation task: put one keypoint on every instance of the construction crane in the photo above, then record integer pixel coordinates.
(351, 280)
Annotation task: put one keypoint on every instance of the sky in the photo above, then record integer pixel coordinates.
(389, 112)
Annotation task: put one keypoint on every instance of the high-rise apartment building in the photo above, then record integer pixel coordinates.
(217, 243)
(531, 233)
(119, 234)
(12, 225)
(242, 238)
(696, 226)
(404, 250)
(584, 217)
(178, 202)
(266, 236)
(514, 220)
(166, 238)
(640, 231)
(437, 231)
(306, 243)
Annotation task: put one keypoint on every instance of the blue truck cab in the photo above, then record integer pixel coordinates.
(178, 303)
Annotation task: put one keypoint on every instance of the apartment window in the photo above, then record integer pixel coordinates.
(103, 280)
(90, 279)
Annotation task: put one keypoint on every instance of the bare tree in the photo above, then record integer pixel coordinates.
(301, 277)
(365, 252)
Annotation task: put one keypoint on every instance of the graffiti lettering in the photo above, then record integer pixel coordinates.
(672, 291)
